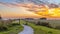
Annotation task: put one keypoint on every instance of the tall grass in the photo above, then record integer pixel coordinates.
(43, 29)
(12, 28)
(38, 29)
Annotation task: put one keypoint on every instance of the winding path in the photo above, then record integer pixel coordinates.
(27, 30)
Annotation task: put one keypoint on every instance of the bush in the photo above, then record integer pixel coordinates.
(44, 24)
(26, 23)
(3, 28)
(13, 24)
(49, 32)
(38, 23)
(57, 27)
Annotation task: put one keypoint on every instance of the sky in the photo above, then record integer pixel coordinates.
(12, 1)
(54, 1)
(15, 12)
(11, 8)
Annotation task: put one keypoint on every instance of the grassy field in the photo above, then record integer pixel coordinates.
(43, 29)
(53, 23)
(13, 30)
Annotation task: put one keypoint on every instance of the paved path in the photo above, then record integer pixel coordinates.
(27, 30)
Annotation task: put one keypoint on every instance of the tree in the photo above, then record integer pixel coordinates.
(43, 18)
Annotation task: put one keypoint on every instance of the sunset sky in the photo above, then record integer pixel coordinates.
(14, 12)
(13, 9)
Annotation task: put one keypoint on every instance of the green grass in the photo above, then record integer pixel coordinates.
(43, 29)
(13, 30)
(23, 22)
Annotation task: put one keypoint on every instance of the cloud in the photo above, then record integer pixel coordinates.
(6, 4)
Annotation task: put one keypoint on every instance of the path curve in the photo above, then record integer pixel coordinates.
(27, 30)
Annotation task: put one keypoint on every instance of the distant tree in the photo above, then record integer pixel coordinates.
(43, 18)
(29, 18)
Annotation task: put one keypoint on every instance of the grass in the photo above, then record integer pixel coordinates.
(13, 30)
(23, 22)
(43, 29)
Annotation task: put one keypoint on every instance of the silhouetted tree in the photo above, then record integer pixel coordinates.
(43, 18)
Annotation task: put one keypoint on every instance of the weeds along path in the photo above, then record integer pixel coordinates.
(27, 30)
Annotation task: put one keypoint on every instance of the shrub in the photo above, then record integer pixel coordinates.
(57, 27)
(26, 23)
(13, 24)
(44, 24)
(49, 32)
(2, 28)
(38, 23)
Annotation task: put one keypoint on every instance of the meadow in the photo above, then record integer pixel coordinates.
(15, 27)
(43, 29)
(10, 27)
(39, 29)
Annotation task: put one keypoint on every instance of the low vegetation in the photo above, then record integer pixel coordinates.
(43, 30)
(10, 27)
(12, 30)
(44, 27)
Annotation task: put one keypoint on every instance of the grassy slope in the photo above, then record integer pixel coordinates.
(13, 30)
(43, 30)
